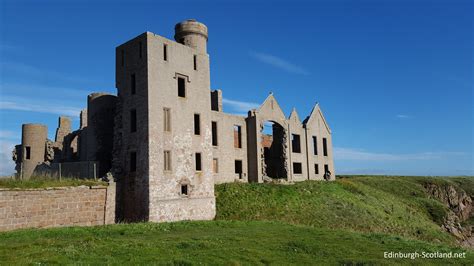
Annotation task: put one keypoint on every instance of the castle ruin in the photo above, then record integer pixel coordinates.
(166, 140)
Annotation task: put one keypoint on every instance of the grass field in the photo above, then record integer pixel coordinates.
(214, 242)
(353, 220)
(393, 205)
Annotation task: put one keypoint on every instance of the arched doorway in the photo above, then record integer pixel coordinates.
(273, 143)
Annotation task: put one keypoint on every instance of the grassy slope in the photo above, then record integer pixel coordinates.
(318, 224)
(221, 242)
(394, 205)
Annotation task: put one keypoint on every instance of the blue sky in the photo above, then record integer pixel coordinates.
(393, 78)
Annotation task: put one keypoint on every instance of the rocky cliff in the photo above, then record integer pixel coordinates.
(460, 210)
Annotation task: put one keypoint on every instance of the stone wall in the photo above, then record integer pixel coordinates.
(226, 152)
(56, 207)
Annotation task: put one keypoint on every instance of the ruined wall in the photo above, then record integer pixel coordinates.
(167, 202)
(225, 152)
(148, 68)
(252, 147)
(133, 186)
(100, 129)
(64, 128)
(268, 111)
(55, 207)
(216, 100)
(63, 140)
(82, 136)
(296, 128)
(316, 126)
(70, 150)
(274, 159)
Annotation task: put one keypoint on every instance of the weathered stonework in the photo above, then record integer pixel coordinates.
(167, 140)
(54, 207)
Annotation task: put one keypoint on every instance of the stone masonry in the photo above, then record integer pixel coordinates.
(55, 207)
(166, 139)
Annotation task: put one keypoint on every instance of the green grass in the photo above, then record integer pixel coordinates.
(45, 182)
(350, 221)
(214, 242)
(384, 204)
(467, 183)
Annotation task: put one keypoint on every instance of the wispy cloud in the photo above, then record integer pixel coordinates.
(51, 92)
(46, 107)
(349, 154)
(7, 166)
(404, 116)
(279, 63)
(8, 134)
(238, 106)
(37, 73)
(239, 114)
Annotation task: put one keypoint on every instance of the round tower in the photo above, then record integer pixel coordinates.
(33, 143)
(100, 129)
(193, 34)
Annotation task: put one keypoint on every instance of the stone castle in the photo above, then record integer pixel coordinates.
(166, 140)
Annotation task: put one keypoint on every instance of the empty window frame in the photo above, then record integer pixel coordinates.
(325, 147)
(167, 161)
(27, 152)
(133, 161)
(215, 165)
(165, 52)
(237, 136)
(315, 145)
(295, 143)
(133, 120)
(214, 133)
(195, 62)
(197, 124)
(133, 84)
(238, 168)
(167, 119)
(181, 87)
(326, 169)
(214, 100)
(297, 169)
(198, 163)
(184, 189)
(316, 169)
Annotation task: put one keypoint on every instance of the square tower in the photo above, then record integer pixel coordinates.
(162, 145)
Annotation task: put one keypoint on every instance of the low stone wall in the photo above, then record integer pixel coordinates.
(55, 207)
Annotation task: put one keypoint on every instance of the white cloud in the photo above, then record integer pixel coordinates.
(348, 154)
(279, 63)
(7, 166)
(402, 116)
(47, 107)
(238, 106)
